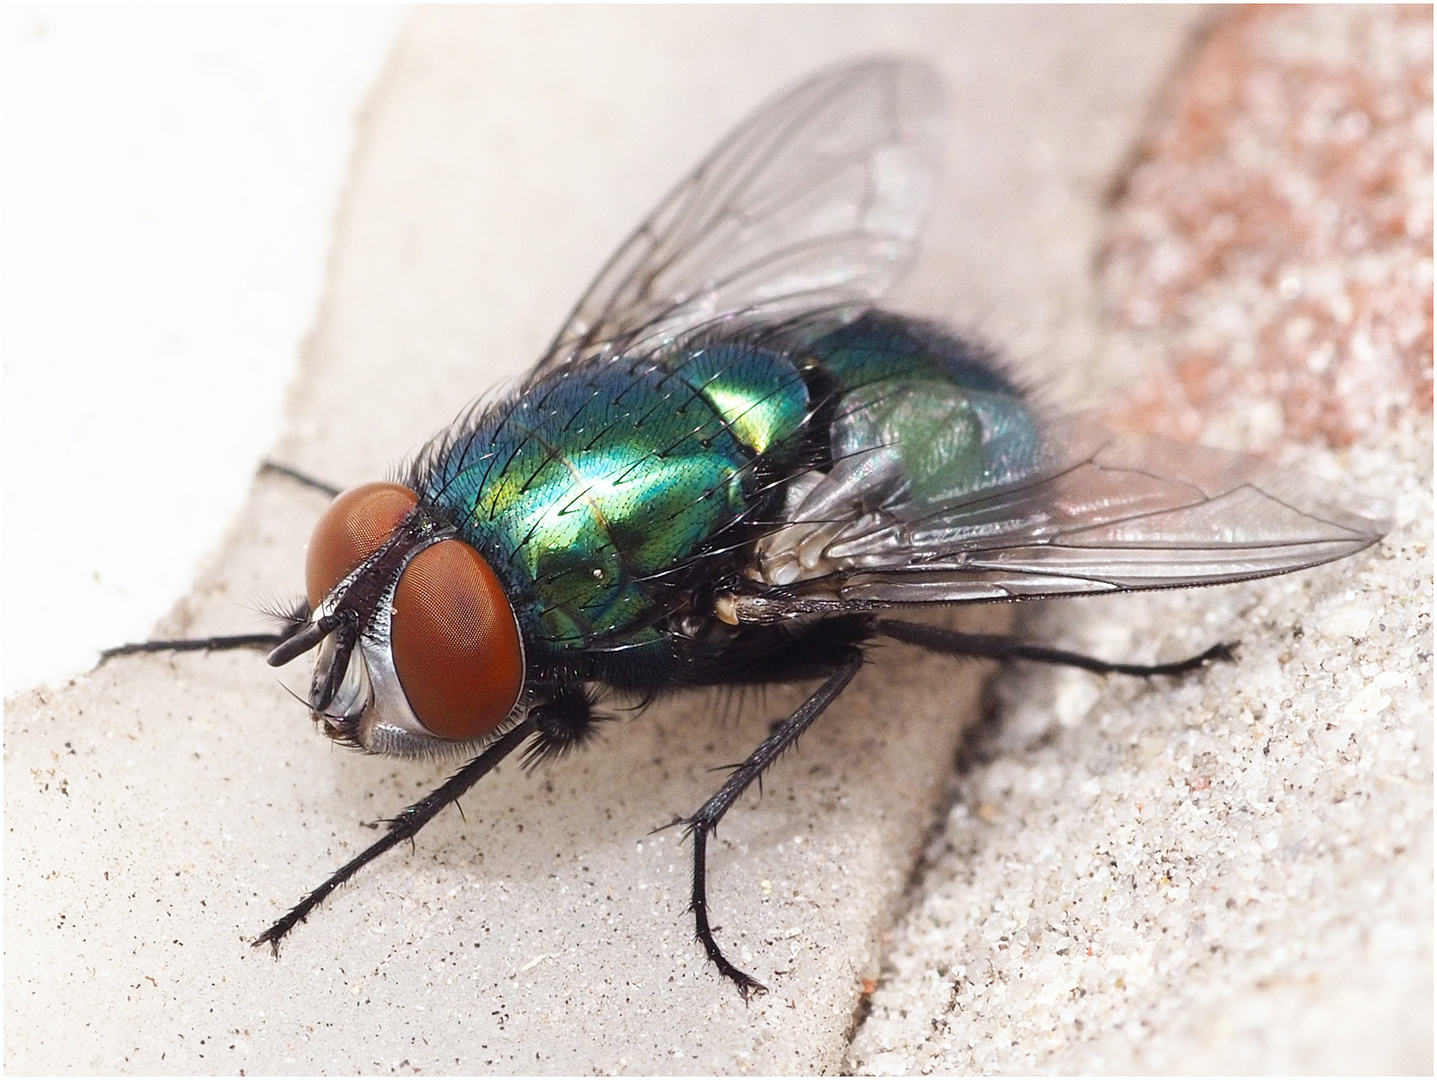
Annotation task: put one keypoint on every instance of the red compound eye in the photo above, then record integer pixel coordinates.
(453, 636)
(455, 642)
(349, 531)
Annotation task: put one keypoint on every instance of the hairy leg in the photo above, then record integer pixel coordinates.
(988, 646)
(702, 823)
(299, 477)
(403, 827)
(231, 641)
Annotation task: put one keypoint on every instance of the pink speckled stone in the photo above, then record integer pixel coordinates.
(1273, 247)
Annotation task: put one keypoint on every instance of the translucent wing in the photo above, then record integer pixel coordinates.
(812, 202)
(1101, 513)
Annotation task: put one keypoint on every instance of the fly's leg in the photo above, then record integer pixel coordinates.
(299, 477)
(403, 827)
(295, 619)
(989, 646)
(210, 644)
(703, 823)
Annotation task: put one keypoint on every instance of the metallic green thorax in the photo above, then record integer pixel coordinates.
(594, 488)
(597, 492)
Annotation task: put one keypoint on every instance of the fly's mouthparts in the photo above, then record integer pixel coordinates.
(336, 660)
(304, 639)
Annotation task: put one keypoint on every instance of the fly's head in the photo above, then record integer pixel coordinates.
(419, 649)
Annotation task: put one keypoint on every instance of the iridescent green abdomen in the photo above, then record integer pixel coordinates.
(937, 404)
(593, 490)
(920, 422)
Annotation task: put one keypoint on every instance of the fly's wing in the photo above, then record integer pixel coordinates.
(813, 202)
(1100, 512)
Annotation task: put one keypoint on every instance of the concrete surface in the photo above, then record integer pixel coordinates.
(162, 811)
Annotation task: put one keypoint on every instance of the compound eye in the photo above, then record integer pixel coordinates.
(350, 530)
(455, 642)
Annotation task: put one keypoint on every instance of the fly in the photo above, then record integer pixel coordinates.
(731, 468)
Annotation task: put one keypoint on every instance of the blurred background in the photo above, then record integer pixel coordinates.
(172, 176)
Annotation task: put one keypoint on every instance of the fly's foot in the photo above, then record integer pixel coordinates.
(275, 934)
(748, 987)
(265, 939)
(1224, 652)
